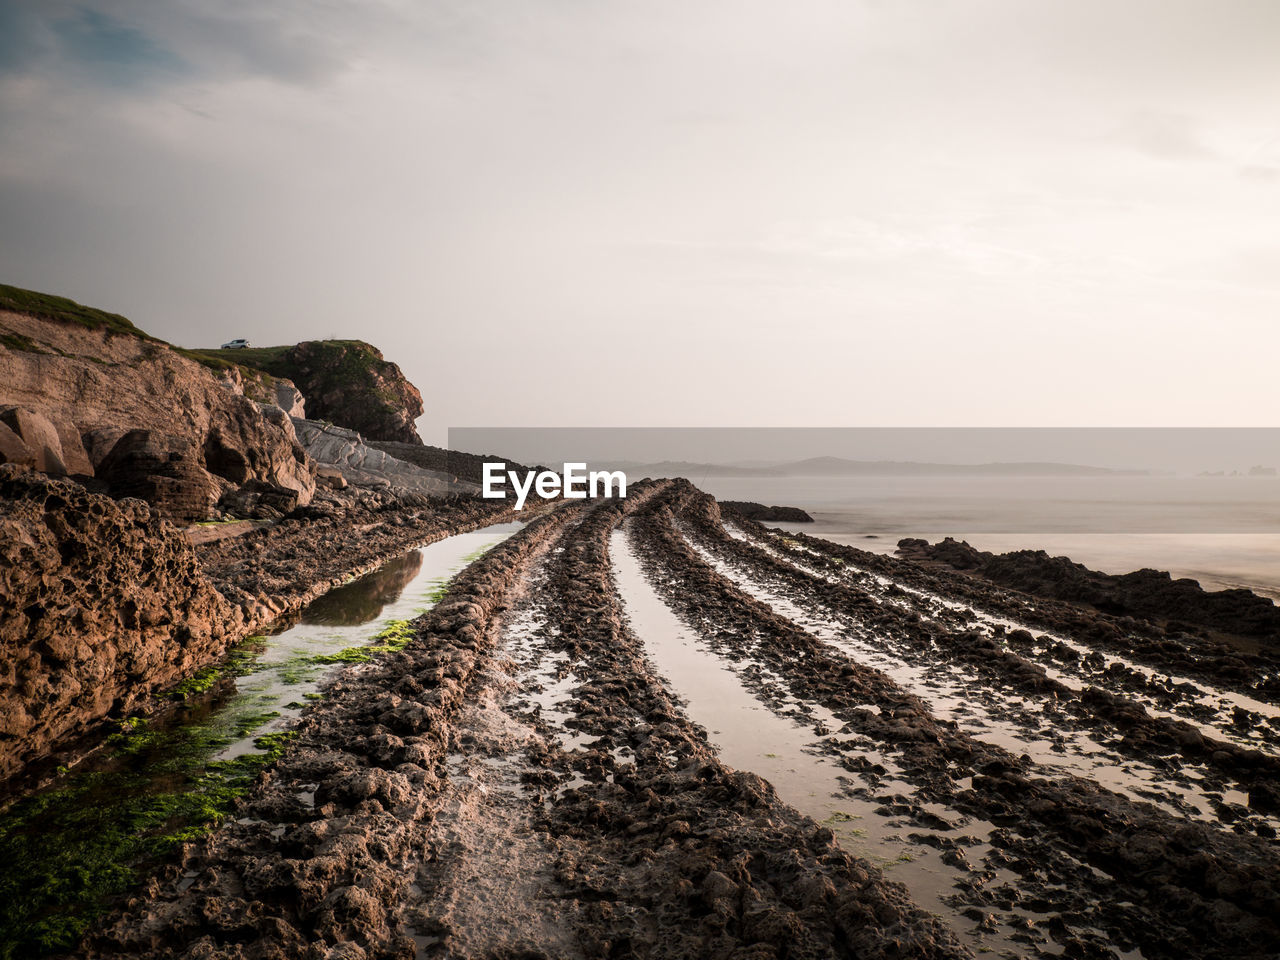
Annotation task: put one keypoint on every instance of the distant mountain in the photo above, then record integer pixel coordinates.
(684, 468)
(841, 467)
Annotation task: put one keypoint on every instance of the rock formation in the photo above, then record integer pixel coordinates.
(345, 382)
(763, 514)
(83, 399)
(1152, 594)
(345, 453)
(101, 603)
(162, 471)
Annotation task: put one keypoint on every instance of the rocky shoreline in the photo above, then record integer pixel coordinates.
(111, 441)
(1010, 755)
(519, 780)
(162, 609)
(665, 852)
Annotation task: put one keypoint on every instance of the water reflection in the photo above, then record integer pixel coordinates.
(362, 600)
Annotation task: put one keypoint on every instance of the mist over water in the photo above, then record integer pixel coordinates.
(1202, 503)
(1222, 531)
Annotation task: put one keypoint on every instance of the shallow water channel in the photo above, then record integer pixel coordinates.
(788, 752)
(66, 850)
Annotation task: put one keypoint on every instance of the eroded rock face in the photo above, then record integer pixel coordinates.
(164, 471)
(40, 437)
(78, 393)
(13, 449)
(348, 383)
(356, 462)
(289, 399)
(101, 603)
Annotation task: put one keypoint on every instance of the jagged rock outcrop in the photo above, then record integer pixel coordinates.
(290, 399)
(101, 603)
(1150, 594)
(13, 449)
(337, 449)
(345, 382)
(258, 385)
(75, 391)
(764, 514)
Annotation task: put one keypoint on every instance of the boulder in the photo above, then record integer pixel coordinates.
(99, 441)
(164, 471)
(13, 449)
(74, 454)
(330, 477)
(40, 436)
(289, 399)
(259, 501)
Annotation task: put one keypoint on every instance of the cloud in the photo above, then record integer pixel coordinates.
(116, 50)
(923, 180)
(1163, 134)
(133, 43)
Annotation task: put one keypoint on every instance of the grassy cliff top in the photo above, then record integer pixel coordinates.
(63, 310)
(265, 358)
(255, 357)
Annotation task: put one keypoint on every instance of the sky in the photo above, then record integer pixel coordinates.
(747, 213)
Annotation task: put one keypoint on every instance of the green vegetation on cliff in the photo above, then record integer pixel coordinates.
(346, 363)
(345, 382)
(61, 309)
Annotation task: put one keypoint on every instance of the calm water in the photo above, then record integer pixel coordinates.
(1222, 531)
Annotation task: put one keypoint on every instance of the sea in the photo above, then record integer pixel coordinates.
(1223, 531)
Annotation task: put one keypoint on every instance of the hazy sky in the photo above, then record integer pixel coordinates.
(887, 212)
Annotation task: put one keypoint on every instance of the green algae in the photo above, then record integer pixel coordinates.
(66, 854)
(240, 661)
(395, 636)
(70, 853)
(202, 682)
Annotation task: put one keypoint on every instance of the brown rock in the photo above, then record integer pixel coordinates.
(74, 454)
(158, 470)
(259, 500)
(40, 435)
(108, 383)
(101, 603)
(99, 441)
(13, 449)
(331, 477)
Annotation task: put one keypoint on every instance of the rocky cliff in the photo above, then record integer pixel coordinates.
(345, 382)
(85, 393)
(103, 604)
(108, 437)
